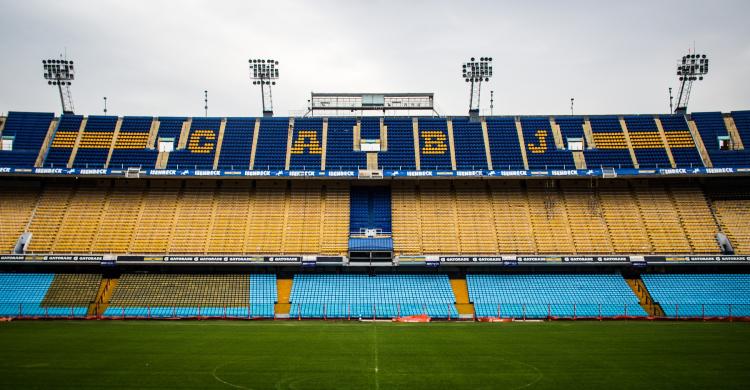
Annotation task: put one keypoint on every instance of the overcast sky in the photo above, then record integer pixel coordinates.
(157, 57)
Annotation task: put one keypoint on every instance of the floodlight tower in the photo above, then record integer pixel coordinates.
(60, 72)
(265, 72)
(692, 68)
(475, 72)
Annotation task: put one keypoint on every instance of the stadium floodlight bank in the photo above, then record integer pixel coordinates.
(692, 67)
(264, 72)
(60, 73)
(348, 103)
(475, 72)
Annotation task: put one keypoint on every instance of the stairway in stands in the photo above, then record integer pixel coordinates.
(284, 290)
(644, 297)
(464, 307)
(103, 295)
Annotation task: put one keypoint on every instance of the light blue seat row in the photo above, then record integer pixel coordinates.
(379, 296)
(264, 310)
(556, 295)
(700, 295)
(21, 295)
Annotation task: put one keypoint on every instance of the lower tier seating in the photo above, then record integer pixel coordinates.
(700, 295)
(167, 296)
(551, 295)
(46, 295)
(379, 296)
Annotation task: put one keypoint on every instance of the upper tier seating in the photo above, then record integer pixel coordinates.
(370, 127)
(400, 154)
(63, 141)
(340, 142)
(711, 126)
(96, 142)
(611, 149)
(647, 143)
(468, 140)
(270, 151)
(199, 147)
(28, 130)
(46, 295)
(370, 209)
(306, 149)
(378, 296)
(551, 295)
(700, 295)
(680, 141)
(742, 121)
(434, 146)
(131, 147)
(237, 144)
(165, 295)
(541, 152)
(505, 148)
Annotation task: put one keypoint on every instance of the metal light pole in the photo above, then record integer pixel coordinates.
(691, 68)
(60, 73)
(475, 72)
(572, 100)
(265, 72)
(205, 102)
(105, 105)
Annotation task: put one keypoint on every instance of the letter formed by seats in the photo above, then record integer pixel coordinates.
(306, 140)
(541, 146)
(434, 142)
(200, 141)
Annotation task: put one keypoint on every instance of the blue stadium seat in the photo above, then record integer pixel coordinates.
(200, 148)
(131, 145)
(307, 144)
(711, 126)
(434, 148)
(681, 142)
(379, 296)
(646, 141)
(469, 143)
(541, 152)
(95, 142)
(237, 144)
(341, 154)
(22, 295)
(370, 209)
(700, 295)
(63, 141)
(400, 154)
(556, 295)
(28, 130)
(611, 149)
(270, 151)
(504, 146)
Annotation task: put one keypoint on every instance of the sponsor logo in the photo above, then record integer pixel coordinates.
(419, 173)
(283, 259)
(5, 170)
(257, 173)
(301, 173)
(469, 173)
(673, 171)
(93, 171)
(719, 170)
(162, 172)
(207, 173)
(341, 173)
(512, 173)
(48, 170)
(568, 172)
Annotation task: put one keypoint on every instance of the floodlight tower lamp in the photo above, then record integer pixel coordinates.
(265, 72)
(475, 72)
(692, 67)
(61, 73)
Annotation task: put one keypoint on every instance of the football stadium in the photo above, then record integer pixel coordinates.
(374, 242)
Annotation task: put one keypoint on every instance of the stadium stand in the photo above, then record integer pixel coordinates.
(370, 209)
(700, 295)
(713, 131)
(237, 143)
(307, 144)
(469, 142)
(400, 154)
(434, 147)
(680, 141)
(27, 131)
(742, 121)
(378, 296)
(504, 144)
(63, 141)
(611, 148)
(46, 295)
(199, 149)
(96, 142)
(552, 295)
(132, 145)
(271, 147)
(370, 128)
(540, 145)
(340, 150)
(647, 143)
(181, 295)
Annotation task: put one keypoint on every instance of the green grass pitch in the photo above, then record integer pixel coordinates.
(351, 355)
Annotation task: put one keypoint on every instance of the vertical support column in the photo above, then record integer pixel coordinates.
(519, 131)
(699, 143)
(556, 133)
(152, 133)
(45, 145)
(255, 142)
(2, 124)
(383, 136)
(372, 161)
(220, 142)
(357, 135)
(415, 131)
(451, 144)
(78, 142)
(663, 136)
(184, 134)
(323, 154)
(290, 135)
(487, 151)
(626, 135)
(588, 133)
(734, 134)
(116, 134)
